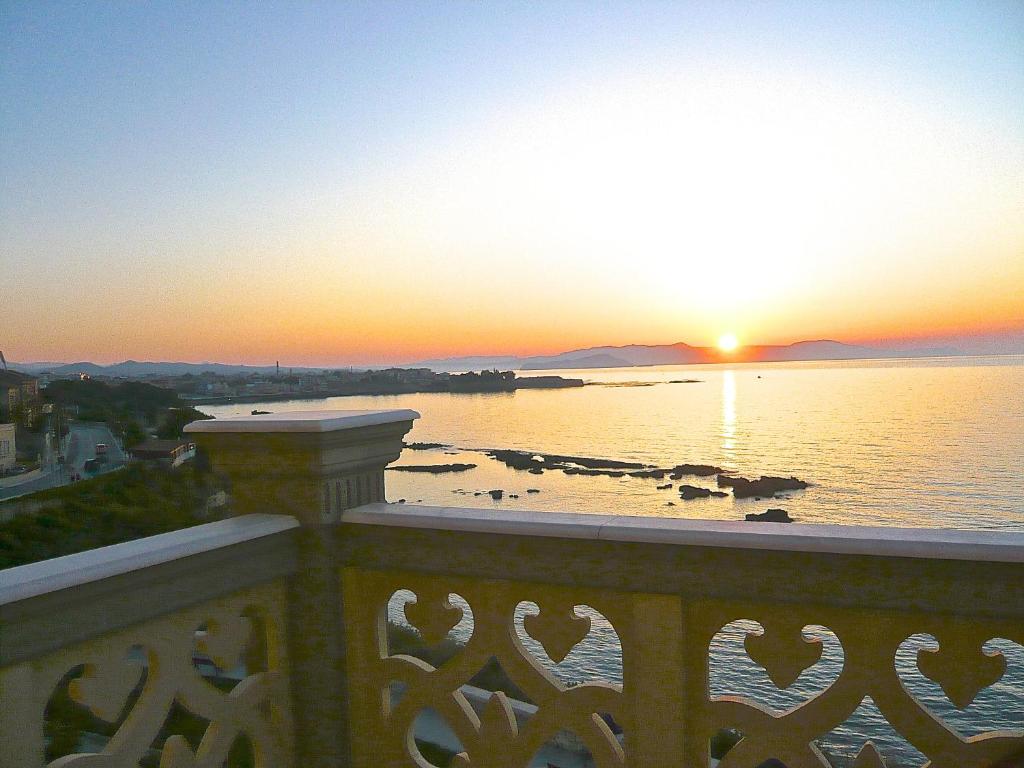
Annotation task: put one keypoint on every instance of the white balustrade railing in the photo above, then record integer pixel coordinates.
(281, 639)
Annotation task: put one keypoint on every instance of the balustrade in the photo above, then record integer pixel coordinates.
(272, 638)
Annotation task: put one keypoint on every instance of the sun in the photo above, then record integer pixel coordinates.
(728, 342)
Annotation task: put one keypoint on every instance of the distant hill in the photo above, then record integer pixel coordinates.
(591, 357)
(599, 360)
(136, 369)
(680, 354)
(471, 363)
(617, 357)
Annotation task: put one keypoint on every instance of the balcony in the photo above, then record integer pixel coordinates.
(280, 637)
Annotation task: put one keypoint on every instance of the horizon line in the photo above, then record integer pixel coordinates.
(937, 351)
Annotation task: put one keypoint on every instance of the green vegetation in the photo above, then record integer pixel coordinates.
(97, 401)
(138, 501)
(129, 407)
(173, 424)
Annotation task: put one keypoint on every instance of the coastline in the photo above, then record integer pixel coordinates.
(534, 382)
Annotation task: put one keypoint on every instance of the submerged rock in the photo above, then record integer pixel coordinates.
(657, 474)
(434, 469)
(664, 487)
(770, 516)
(533, 490)
(517, 459)
(496, 494)
(425, 446)
(595, 472)
(541, 461)
(698, 470)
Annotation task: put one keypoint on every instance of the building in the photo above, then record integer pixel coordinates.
(169, 452)
(7, 448)
(18, 392)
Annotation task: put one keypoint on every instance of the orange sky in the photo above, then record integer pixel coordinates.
(319, 204)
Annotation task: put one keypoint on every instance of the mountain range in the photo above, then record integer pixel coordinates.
(592, 357)
(134, 368)
(680, 354)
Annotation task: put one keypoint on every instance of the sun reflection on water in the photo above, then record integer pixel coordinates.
(728, 432)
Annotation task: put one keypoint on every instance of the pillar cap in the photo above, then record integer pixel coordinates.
(301, 421)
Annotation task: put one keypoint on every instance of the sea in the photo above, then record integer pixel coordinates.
(924, 442)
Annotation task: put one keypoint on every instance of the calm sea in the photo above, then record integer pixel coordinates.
(935, 442)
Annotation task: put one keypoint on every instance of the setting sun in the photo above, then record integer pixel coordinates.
(727, 342)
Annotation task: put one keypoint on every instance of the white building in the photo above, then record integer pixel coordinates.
(6, 447)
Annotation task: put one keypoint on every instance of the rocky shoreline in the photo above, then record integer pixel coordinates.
(763, 487)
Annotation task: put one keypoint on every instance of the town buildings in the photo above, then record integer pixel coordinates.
(19, 395)
(7, 447)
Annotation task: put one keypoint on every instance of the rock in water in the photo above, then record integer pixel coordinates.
(657, 474)
(496, 494)
(693, 492)
(771, 516)
(434, 469)
(766, 485)
(700, 470)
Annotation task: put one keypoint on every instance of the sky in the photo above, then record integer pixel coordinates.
(339, 183)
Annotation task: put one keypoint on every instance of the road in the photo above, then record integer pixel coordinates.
(82, 442)
(81, 446)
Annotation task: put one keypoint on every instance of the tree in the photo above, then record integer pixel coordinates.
(173, 425)
(132, 434)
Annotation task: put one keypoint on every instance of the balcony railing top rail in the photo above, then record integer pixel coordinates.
(59, 573)
(931, 543)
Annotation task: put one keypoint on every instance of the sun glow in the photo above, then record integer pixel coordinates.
(728, 342)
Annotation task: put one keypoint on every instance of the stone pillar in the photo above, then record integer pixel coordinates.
(312, 465)
(309, 464)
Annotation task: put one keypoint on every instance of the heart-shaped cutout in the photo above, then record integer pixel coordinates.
(433, 614)
(961, 669)
(783, 651)
(558, 631)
